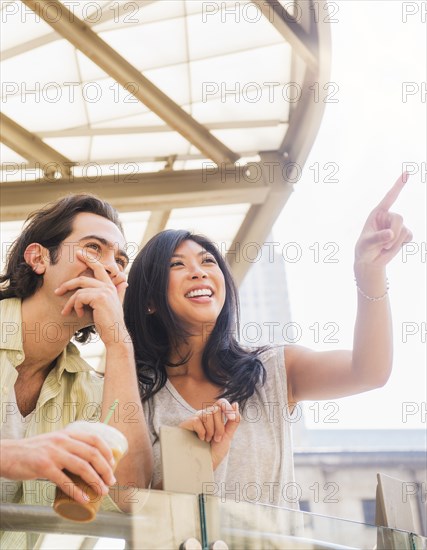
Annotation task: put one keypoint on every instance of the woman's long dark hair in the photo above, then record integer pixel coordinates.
(224, 362)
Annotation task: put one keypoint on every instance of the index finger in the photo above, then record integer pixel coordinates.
(95, 265)
(394, 192)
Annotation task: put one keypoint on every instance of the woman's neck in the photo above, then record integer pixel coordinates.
(193, 348)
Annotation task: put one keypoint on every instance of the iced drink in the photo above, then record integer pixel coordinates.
(67, 507)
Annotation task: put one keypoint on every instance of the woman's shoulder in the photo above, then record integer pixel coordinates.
(269, 355)
(273, 387)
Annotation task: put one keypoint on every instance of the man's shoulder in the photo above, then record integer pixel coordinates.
(11, 324)
(10, 310)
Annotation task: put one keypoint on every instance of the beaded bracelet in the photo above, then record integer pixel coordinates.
(371, 298)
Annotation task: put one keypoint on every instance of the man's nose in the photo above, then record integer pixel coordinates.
(111, 268)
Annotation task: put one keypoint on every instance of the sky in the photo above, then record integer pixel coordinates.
(377, 126)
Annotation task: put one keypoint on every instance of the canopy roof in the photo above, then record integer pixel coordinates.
(181, 113)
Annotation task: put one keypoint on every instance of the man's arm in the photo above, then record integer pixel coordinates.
(105, 298)
(48, 455)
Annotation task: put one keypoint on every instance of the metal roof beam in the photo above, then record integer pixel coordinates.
(290, 29)
(31, 147)
(111, 131)
(8, 170)
(260, 218)
(306, 118)
(164, 190)
(82, 37)
(157, 222)
(304, 124)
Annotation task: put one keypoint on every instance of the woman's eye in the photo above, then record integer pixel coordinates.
(121, 262)
(174, 264)
(211, 260)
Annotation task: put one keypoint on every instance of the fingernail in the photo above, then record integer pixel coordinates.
(232, 416)
(218, 438)
(85, 497)
(114, 480)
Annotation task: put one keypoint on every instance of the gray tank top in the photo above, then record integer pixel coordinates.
(259, 466)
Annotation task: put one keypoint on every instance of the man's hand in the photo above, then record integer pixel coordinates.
(47, 456)
(209, 426)
(103, 293)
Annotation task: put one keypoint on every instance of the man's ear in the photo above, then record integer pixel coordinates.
(37, 257)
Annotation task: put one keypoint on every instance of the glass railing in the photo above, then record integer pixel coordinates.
(164, 520)
(255, 526)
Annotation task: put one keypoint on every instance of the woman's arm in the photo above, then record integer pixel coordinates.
(333, 374)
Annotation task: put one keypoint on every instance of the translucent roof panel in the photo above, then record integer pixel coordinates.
(20, 23)
(145, 11)
(144, 45)
(134, 225)
(61, 68)
(12, 156)
(223, 63)
(254, 139)
(236, 31)
(9, 232)
(138, 145)
(229, 75)
(222, 222)
(147, 119)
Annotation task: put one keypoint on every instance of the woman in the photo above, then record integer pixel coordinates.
(181, 308)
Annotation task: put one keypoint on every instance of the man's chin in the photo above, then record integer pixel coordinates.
(87, 319)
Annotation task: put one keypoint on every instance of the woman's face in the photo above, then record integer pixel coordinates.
(196, 289)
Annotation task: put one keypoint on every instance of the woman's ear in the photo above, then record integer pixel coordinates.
(37, 257)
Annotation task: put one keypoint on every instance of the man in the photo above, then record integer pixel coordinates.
(64, 276)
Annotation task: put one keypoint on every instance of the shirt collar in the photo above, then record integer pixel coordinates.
(71, 361)
(11, 338)
(11, 324)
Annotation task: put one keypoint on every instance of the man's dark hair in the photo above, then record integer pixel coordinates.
(224, 361)
(49, 226)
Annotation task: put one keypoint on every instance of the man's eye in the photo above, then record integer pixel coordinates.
(94, 246)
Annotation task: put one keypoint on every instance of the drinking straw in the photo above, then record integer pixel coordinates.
(111, 411)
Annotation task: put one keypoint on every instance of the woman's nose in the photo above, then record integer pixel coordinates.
(198, 272)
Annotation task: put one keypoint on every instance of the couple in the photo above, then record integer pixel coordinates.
(170, 353)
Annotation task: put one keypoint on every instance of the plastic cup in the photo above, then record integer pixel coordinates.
(66, 506)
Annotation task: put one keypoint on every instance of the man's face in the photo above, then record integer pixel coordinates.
(99, 239)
